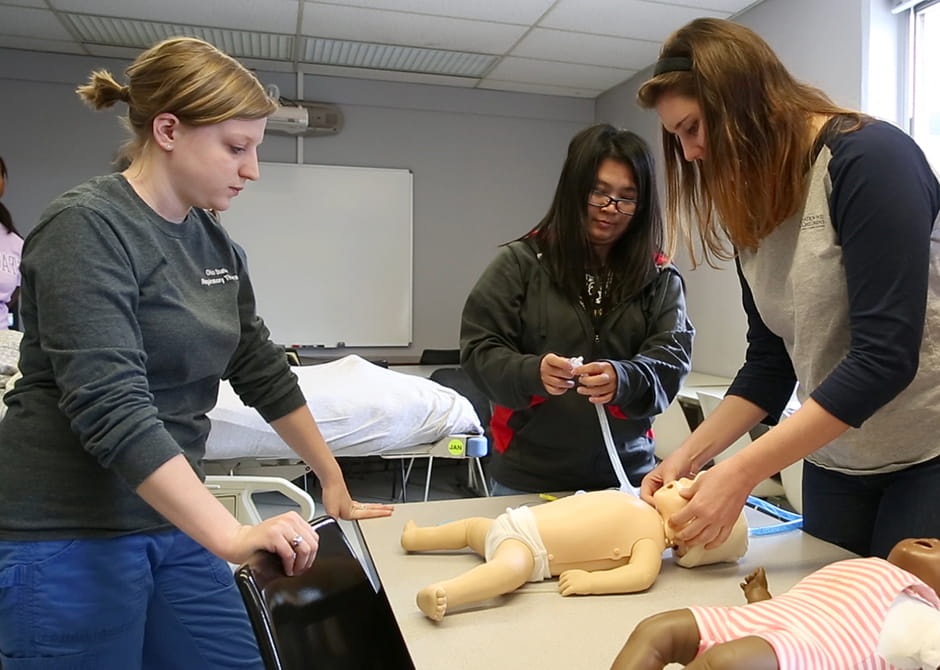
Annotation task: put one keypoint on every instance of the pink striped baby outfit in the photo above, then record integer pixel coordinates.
(831, 620)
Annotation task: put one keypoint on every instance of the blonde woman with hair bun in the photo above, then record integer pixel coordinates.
(135, 304)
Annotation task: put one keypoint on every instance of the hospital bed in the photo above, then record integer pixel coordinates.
(362, 409)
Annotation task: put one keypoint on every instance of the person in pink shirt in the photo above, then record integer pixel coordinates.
(861, 613)
(11, 249)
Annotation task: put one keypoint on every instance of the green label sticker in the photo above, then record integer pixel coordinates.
(455, 447)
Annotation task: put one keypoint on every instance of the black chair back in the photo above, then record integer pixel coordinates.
(440, 357)
(457, 379)
(329, 618)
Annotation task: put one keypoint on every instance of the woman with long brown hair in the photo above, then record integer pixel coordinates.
(831, 218)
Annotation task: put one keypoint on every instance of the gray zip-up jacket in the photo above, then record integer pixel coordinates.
(514, 316)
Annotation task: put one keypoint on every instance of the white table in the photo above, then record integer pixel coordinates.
(537, 628)
(706, 383)
(699, 379)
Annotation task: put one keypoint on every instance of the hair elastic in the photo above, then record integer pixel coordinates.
(672, 64)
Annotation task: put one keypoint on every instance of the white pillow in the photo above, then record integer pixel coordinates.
(362, 409)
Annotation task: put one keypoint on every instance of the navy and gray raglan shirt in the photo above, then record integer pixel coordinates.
(129, 323)
(844, 296)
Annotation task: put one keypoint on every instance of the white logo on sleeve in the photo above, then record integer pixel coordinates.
(217, 276)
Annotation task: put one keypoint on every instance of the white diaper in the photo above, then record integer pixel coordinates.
(519, 524)
(910, 637)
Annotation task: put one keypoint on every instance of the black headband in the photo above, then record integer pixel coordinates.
(672, 64)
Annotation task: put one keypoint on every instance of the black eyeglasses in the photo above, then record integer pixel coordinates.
(623, 205)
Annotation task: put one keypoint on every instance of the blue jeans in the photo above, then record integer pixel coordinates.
(869, 514)
(143, 601)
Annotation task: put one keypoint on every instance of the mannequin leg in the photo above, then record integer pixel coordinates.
(658, 640)
(508, 569)
(470, 532)
(746, 653)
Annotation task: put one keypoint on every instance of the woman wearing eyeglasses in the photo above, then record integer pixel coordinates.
(588, 281)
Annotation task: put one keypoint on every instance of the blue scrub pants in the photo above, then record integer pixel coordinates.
(869, 514)
(147, 601)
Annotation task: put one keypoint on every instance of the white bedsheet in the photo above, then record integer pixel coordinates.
(362, 410)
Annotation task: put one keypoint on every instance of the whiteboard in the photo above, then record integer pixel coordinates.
(329, 253)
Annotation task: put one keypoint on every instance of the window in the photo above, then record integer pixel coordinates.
(925, 93)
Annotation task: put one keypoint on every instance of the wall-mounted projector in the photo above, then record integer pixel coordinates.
(307, 119)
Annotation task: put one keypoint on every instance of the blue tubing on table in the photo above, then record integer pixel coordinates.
(788, 520)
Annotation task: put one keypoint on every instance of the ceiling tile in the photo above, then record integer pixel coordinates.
(571, 75)
(346, 53)
(376, 25)
(624, 18)
(273, 16)
(569, 47)
(26, 3)
(130, 33)
(525, 12)
(387, 75)
(727, 6)
(28, 22)
(573, 48)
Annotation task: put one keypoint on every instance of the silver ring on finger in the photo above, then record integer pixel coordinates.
(296, 541)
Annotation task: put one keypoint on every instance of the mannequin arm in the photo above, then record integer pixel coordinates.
(637, 575)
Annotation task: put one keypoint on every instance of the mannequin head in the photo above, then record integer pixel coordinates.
(920, 557)
(669, 501)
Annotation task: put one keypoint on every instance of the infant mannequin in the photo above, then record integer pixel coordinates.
(857, 613)
(596, 543)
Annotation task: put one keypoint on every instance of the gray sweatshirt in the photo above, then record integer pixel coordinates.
(129, 323)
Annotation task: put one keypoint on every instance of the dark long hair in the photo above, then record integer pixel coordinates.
(562, 236)
(6, 219)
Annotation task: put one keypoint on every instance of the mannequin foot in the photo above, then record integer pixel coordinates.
(755, 586)
(409, 536)
(432, 600)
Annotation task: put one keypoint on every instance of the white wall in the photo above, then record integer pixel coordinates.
(884, 61)
(823, 43)
(49, 140)
(485, 163)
